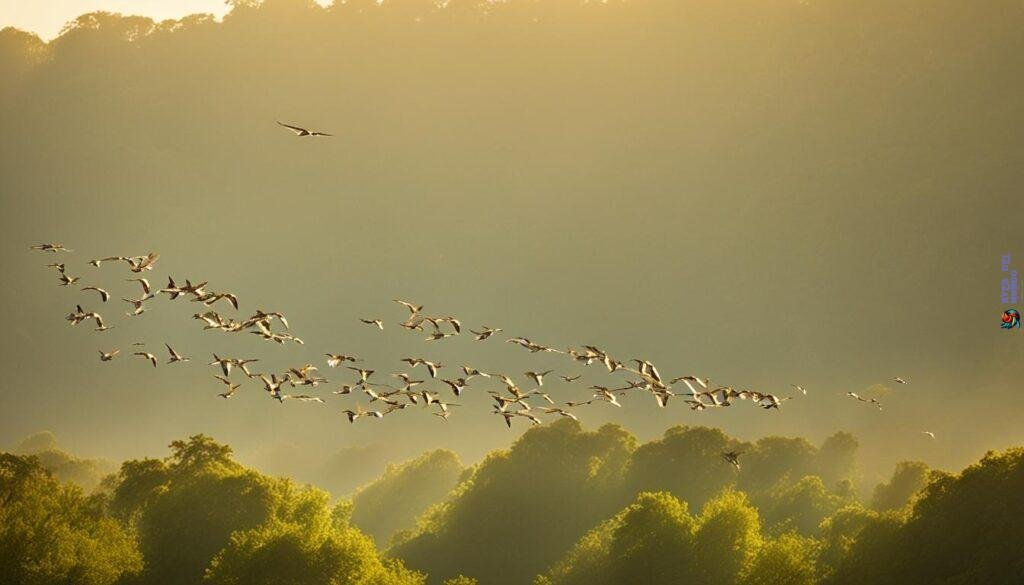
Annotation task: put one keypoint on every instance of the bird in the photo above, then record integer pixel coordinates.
(142, 281)
(138, 304)
(106, 356)
(571, 379)
(336, 359)
(148, 356)
(359, 413)
(485, 332)
(899, 380)
(104, 295)
(457, 385)
(66, 280)
(413, 308)
(225, 364)
(175, 356)
(375, 322)
(272, 384)
(471, 371)
(433, 367)
(439, 335)
(801, 389)
(929, 433)
(299, 131)
(537, 377)
(560, 412)
(139, 263)
(232, 388)
(733, 457)
(50, 248)
(364, 375)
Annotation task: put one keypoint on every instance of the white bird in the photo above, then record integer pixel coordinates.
(899, 380)
(148, 356)
(538, 377)
(929, 433)
(336, 359)
(485, 333)
(106, 356)
(66, 280)
(299, 131)
(413, 308)
(800, 388)
(142, 281)
(103, 294)
(375, 322)
(364, 375)
(175, 356)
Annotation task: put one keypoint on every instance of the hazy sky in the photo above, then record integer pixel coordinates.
(776, 194)
(47, 17)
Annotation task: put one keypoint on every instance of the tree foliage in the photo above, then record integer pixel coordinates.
(404, 492)
(51, 534)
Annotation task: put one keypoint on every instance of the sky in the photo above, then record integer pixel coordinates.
(764, 196)
(47, 17)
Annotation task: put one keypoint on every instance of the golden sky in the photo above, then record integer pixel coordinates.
(47, 17)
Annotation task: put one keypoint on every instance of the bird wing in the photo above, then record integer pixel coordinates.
(295, 129)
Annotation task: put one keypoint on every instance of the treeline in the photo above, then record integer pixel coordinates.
(562, 506)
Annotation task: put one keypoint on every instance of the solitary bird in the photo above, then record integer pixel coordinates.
(733, 457)
(899, 380)
(929, 433)
(299, 131)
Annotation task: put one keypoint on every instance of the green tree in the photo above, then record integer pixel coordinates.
(308, 545)
(51, 534)
(405, 491)
(555, 476)
(728, 536)
(656, 466)
(801, 506)
(909, 478)
(786, 560)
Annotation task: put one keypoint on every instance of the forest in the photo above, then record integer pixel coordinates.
(562, 505)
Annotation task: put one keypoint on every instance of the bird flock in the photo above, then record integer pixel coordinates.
(521, 398)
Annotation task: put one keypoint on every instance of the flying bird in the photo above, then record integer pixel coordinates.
(148, 356)
(104, 295)
(299, 131)
(175, 356)
(106, 356)
(733, 457)
(375, 322)
(50, 248)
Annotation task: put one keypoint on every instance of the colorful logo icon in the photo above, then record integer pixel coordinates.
(1011, 319)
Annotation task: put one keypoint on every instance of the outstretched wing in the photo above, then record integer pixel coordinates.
(294, 129)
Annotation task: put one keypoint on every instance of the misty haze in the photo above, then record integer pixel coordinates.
(743, 262)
